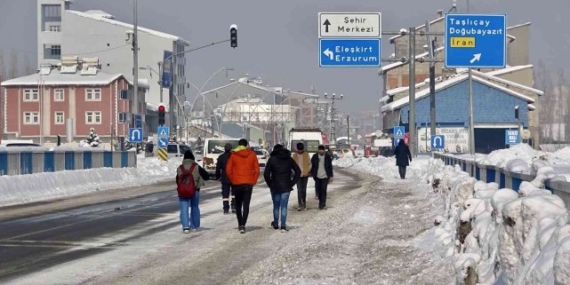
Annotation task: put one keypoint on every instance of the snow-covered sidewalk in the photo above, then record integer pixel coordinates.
(379, 234)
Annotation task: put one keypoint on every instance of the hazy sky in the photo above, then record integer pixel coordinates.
(278, 39)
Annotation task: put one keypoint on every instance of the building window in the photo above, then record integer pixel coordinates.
(59, 95)
(31, 95)
(55, 28)
(52, 52)
(51, 13)
(59, 118)
(92, 118)
(92, 94)
(31, 118)
(55, 50)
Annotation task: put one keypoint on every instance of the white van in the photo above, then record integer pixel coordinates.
(212, 149)
(310, 137)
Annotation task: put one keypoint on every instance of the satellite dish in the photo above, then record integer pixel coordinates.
(525, 134)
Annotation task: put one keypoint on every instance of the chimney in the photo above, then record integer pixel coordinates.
(440, 13)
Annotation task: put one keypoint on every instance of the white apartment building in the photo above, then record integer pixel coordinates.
(95, 33)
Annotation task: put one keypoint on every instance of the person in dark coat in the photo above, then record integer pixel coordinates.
(223, 178)
(322, 172)
(281, 174)
(403, 158)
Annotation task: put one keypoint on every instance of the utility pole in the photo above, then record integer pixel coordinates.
(431, 48)
(412, 92)
(135, 64)
(160, 75)
(471, 119)
(333, 115)
(348, 128)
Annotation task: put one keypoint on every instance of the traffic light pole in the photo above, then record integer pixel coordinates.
(171, 87)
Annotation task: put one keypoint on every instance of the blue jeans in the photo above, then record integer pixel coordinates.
(280, 201)
(194, 220)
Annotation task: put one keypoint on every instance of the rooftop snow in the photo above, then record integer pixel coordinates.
(98, 17)
(509, 69)
(397, 64)
(448, 83)
(508, 82)
(57, 78)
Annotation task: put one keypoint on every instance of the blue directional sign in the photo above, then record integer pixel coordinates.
(475, 41)
(136, 135)
(512, 137)
(437, 142)
(163, 132)
(162, 142)
(399, 133)
(350, 52)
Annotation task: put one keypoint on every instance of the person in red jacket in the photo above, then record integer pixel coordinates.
(242, 169)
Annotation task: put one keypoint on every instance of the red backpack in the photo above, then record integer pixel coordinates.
(185, 182)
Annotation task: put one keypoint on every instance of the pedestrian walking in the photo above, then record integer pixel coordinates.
(403, 158)
(281, 174)
(242, 169)
(322, 172)
(222, 176)
(303, 161)
(189, 179)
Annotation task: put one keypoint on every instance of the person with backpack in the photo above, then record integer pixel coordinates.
(189, 179)
(281, 174)
(222, 176)
(243, 171)
(403, 155)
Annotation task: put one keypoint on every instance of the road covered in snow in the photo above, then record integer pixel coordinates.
(377, 230)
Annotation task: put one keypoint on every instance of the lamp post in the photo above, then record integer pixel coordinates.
(333, 99)
(185, 107)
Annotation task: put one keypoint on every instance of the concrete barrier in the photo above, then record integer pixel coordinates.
(29, 161)
(505, 179)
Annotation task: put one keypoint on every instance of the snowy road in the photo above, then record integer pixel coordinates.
(365, 237)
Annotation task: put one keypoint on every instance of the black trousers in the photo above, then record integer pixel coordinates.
(226, 191)
(243, 198)
(402, 171)
(321, 188)
(302, 191)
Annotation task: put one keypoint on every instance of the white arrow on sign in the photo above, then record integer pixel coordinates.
(329, 53)
(435, 144)
(137, 137)
(476, 57)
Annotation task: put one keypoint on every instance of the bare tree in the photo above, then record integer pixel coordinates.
(2, 66)
(543, 81)
(29, 68)
(13, 67)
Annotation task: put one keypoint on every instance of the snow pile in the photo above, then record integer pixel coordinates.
(520, 158)
(499, 235)
(523, 152)
(378, 166)
(495, 236)
(22, 189)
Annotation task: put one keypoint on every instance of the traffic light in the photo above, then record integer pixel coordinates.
(233, 36)
(161, 115)
(58, 140)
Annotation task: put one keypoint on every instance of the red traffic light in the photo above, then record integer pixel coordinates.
(161, 108)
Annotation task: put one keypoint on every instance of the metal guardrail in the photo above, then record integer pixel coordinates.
(29, 161)
(503, 177)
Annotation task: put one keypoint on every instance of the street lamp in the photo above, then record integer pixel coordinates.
(333, 99)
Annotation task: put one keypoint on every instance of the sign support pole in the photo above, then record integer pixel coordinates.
(412, 92)
(471, 119)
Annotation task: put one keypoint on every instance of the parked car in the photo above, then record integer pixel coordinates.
(262, 157)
